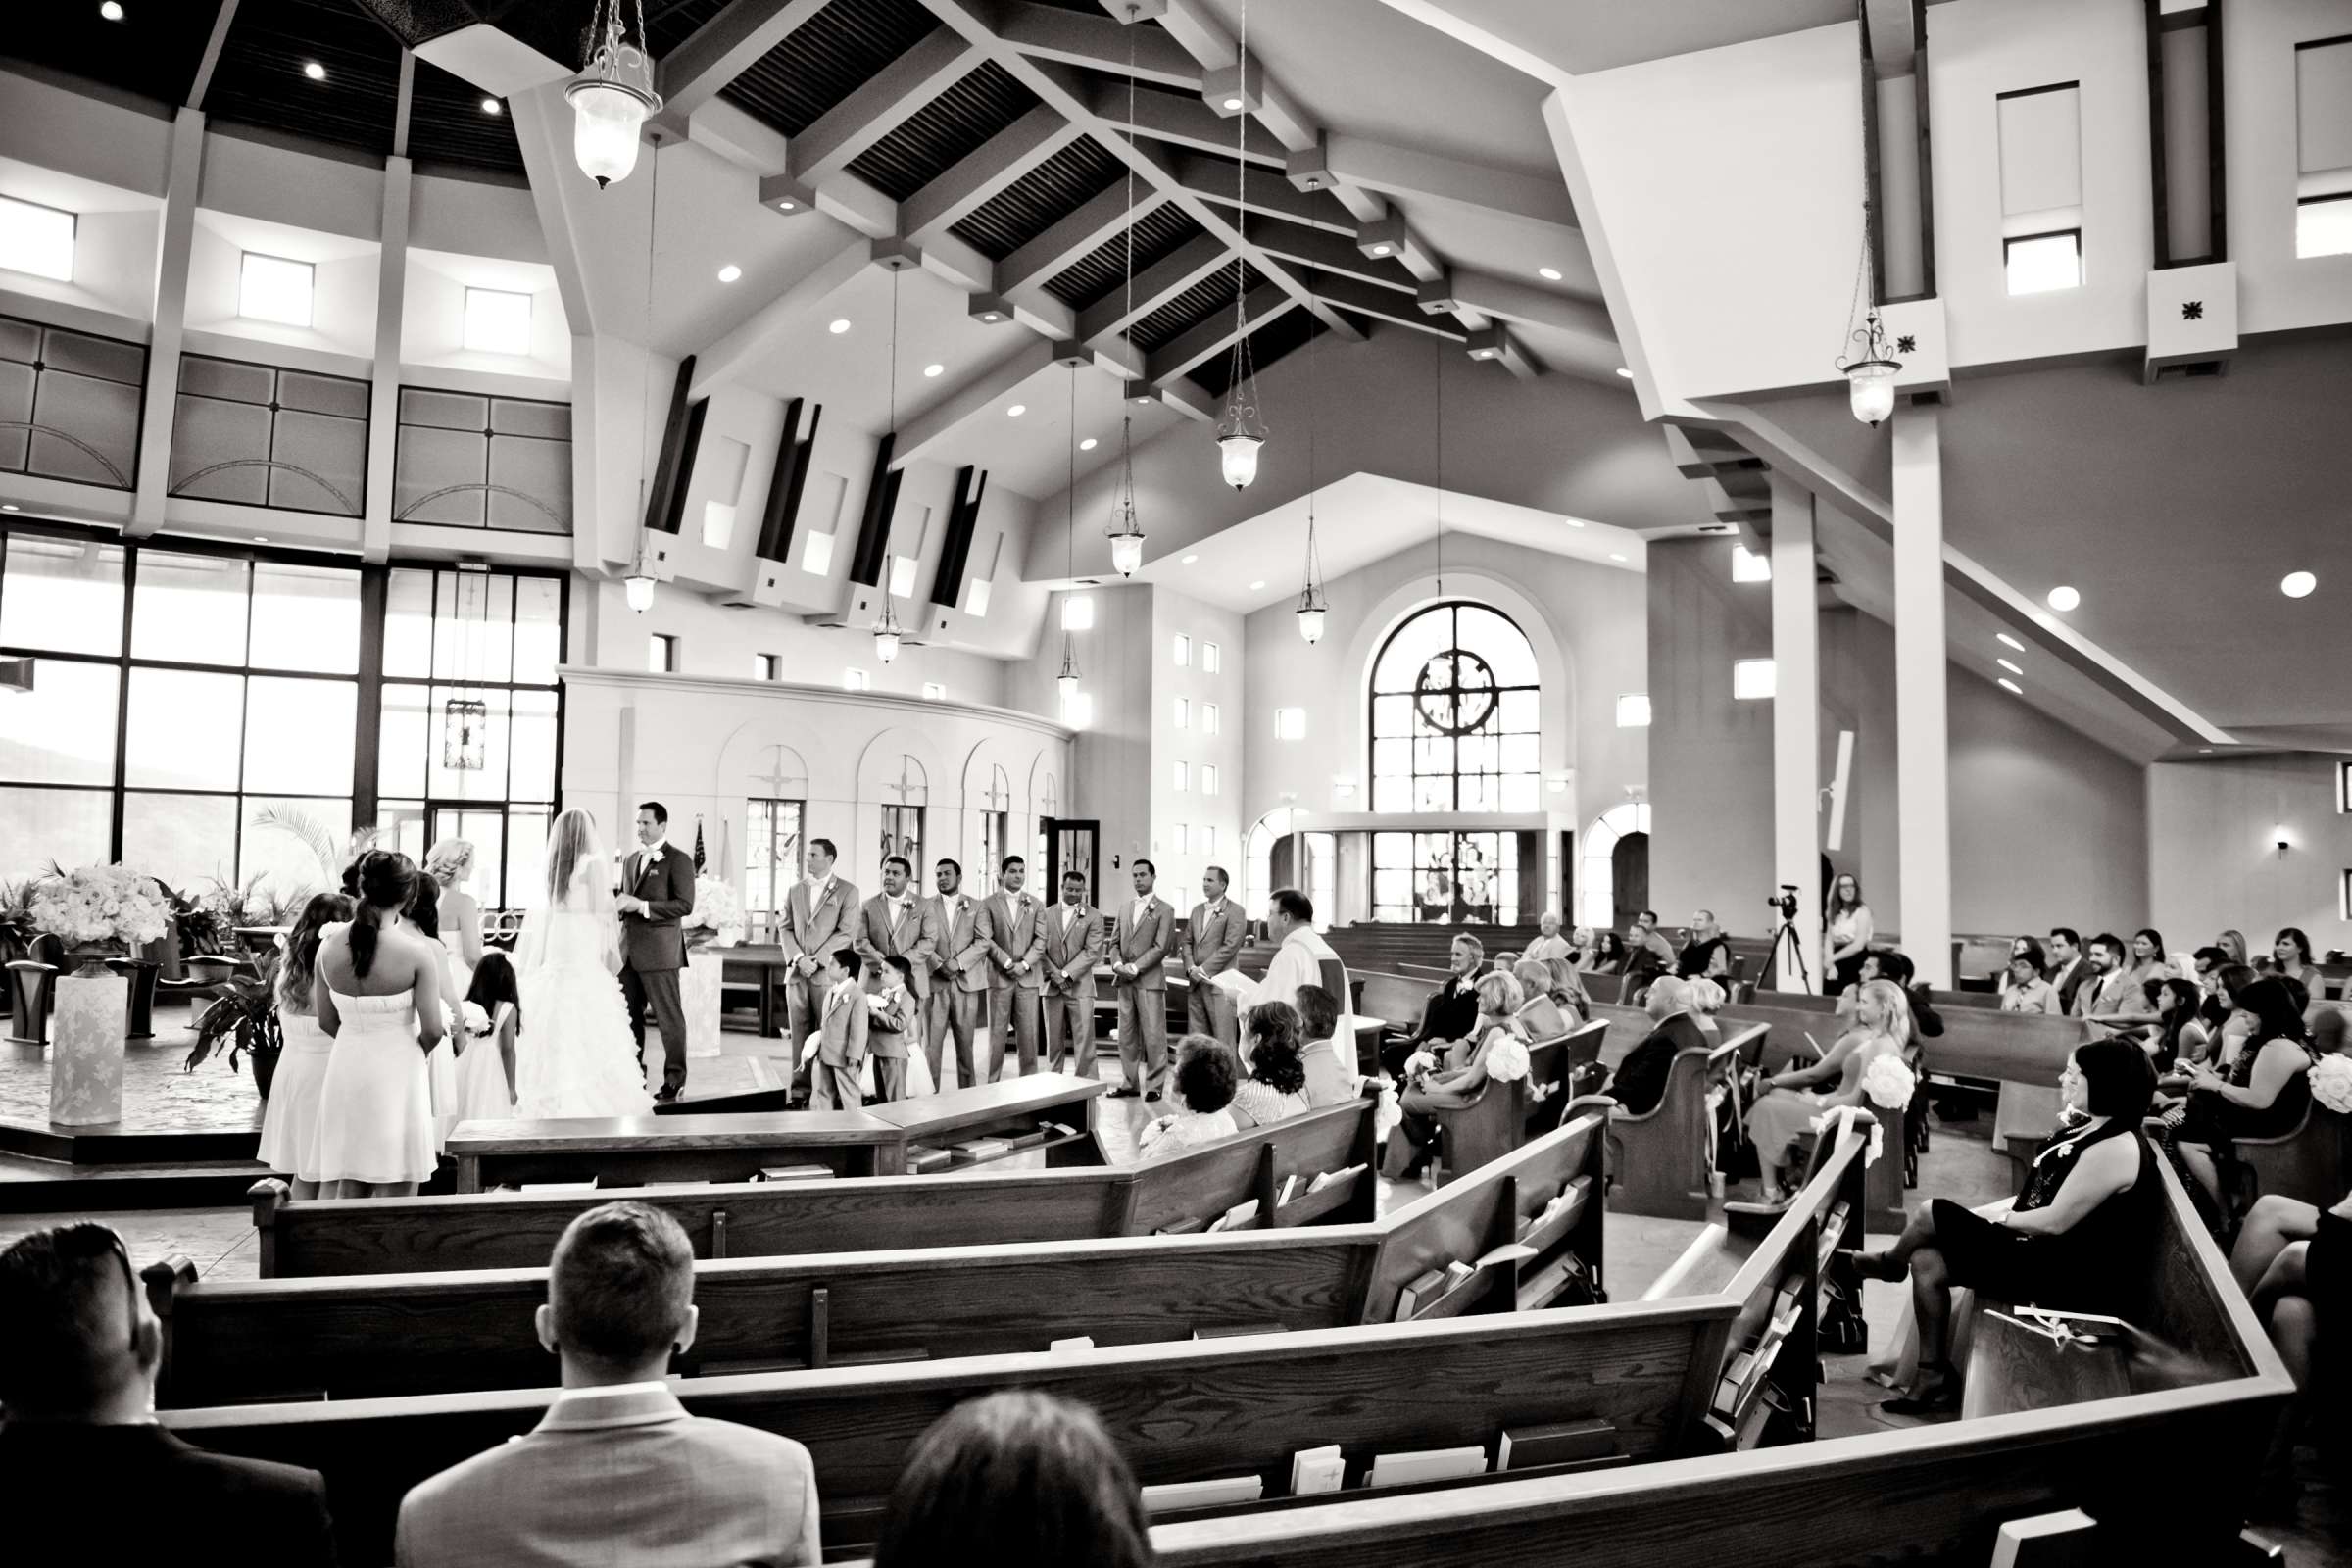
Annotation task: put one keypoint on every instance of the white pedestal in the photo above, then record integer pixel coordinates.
(86, 1050)
(698, 997)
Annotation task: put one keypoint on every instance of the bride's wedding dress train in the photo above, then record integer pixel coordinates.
(576, 1056)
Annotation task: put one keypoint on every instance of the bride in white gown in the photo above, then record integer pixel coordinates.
(579, 1058)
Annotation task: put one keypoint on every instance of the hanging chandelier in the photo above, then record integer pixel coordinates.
(1066, 682)
(639, 583)
(1311, 604)
(612, 96)
(1126, 529)
(885, 630)
(465, 720)
(1870, 367)
(1241, 432)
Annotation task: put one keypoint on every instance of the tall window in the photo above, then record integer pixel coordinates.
(1456, 714)
(995, 828)
(1446, 878)
(903, 799)
(472, 722)
(771, 854)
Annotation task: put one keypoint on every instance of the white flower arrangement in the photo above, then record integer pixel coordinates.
(1389, 1114)
(1888, 1083)
(100, 904)
(716, 909)
(1506, 1059)
(472, 1018)
(2332, 1082)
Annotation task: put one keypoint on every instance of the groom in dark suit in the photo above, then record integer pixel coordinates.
(656, 889)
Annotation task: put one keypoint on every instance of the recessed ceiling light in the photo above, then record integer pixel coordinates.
(1016, 410)
(2062, 597)
(2297, 584)
(2205, 751)
(1186, 560)
(1380, 250)
(934, 370)
(729, 272)
(2013, 669)
(1574, 522)
(786, 205)
(1087, 445)
(1550, 275)
(1255, 586)
(840, 326)
(1614, 556)
(491, 106)
(261, 538)
(1233, 102)
(2008, 641)
(1622, 371)
(2008, 685)
(110, 9)
(313, 70)
(8, 506)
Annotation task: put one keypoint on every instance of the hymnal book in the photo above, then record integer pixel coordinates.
(1030, 1139)
(980, 1148)
(1734, 1378)
(922, 1157)
(2045, 1540)
(1222, 1493)
(1332, 1178)
(587, 1186)
(1427, 1464)
(1241, 1213)
(1076, 1341)
(1557, 1443)
(1458, 1271)
(1232, 1331)
(1507, 1252)
(1290, 1184)
(1059, 1129)
(1419, 1291)
(1314, 1470)
(796, 1173)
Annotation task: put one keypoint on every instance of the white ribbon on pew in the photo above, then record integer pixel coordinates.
(1833, 1125)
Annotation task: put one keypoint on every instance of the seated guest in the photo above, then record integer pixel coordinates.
(1583, 947)
(1448, 1013)
(2023, 987)
(2024, 948)
(1327, 1055)
(1708, 953)
(1018, 1479)
(1781, 1115)
(2176, 1038)
(2265, 1094)
(2290, 958)
(1207, 1071)
(1705, 999)
(2113, 997)
(78, 1352)
(2233, 1024)
(2075, 1238)
(617, 1471)
(1884, 964)
(2210, 963)
(1551, 945)
(1609, 955)
(1648, 953)
(1273, 1085)
(2233, 944)
(1567, 992)
(1639, 1081)
(2294, 1262)
(1540, 1017)
(2068, 970)
(1432, 1085)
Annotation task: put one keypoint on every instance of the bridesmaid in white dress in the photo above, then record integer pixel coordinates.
(579, 1058)
(423, 919)
(450, 863)
(486, 1072)
(379, 996)
(291, 1119)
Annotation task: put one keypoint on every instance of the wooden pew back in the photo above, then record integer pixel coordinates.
(1503, 1115)
(1186, 1192)
(1975, 1042)
(1658, 1159)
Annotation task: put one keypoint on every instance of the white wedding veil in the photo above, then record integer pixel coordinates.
(579, 881)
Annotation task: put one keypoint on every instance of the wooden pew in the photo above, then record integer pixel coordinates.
(2314, 1162)
(518, 1230)
(1503, 1114)
(1198, 1410)
(1975, 1042)
(1016, 1109)
(1658, 1159)
(245, 1341)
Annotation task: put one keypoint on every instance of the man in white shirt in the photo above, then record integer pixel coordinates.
(620, 1299)
(1212, 944)
(1302, 958)
(1551, 945)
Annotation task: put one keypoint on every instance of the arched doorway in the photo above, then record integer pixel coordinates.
(1602, 898)
(1628, 879)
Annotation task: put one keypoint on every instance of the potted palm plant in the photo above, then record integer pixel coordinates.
(243, 1019)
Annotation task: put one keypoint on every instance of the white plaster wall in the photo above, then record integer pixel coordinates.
(2275, 291)
(2213, 849)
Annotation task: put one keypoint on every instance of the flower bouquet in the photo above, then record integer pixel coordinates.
(1888, 1084)
(101, 908)
(717, 918)
(1506, 1059)
(2332, 1082)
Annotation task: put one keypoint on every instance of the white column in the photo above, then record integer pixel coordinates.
(1795, 725)
(1923, 830)
(170, 323)
(383, 405)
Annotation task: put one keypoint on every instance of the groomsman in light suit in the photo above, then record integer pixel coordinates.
(895, 923)
(1145, 935)
(820, 916)
(959, 978)
(1074, 941)
(1012, 926)
(1212, 944)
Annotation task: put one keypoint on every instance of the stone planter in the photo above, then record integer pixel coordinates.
(85, 1052)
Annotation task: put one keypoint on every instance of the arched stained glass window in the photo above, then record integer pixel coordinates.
(1456, 715)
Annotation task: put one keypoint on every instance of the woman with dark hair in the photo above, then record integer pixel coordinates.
(1609, 954)
(486, 1071)
(378, 994)
(2290, 958)
(2224, 1023)
(1018, 1478)
(2075, 1238)
(2264, 1095)
(1275, 1087)
(2179, 1037)
(290, 1115)
(1846, 928)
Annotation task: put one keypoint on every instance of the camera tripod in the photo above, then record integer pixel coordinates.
(1797, 951)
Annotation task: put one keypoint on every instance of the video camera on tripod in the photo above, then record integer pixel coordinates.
(1784, 901)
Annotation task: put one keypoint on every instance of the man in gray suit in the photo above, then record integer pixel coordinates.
(1011, 926)
(657, 890)
(1073, 941)
(958, 978)
(1145, 934)
(1212, 945)
(617, 1471)
(820, 916)
(895, 923)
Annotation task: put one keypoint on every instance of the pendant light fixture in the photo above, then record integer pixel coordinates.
(885, 630)
(612, 96)
(1066, 683)
(465, 719)
(1870, 367)
(639, 583)
(1311, 604)
(1241, 432)
(1126, 529)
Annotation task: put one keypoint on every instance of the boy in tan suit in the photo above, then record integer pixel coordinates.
(891, 1011)
(839, 1042)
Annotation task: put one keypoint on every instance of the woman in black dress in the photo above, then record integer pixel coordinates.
(2295, 1261)
(2074, 1238)
(2265, 1094)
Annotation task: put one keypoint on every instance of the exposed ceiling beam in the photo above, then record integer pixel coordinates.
(722, 49)
(944, 414)
(1205, 342)
(1155, 286)
(1512, 301)
(1072, 236)
(1894, 39)
(1386, 305)
(212, 54)
(1320, 247)
(881, 105)
(1494, 344)
(1100, 43)
(1186, 121)
(986, 171)
(1189, 401)
(1214, 182)
(1403, 172)
(1062, 90)
(404, 101)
